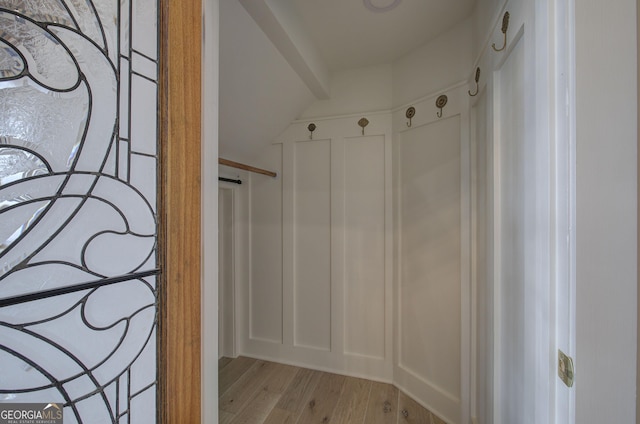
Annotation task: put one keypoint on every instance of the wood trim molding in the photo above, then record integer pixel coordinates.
(179, 399)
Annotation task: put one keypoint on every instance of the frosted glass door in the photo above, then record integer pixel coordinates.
(78, 215)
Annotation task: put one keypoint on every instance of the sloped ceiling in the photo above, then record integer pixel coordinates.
(260, 93)
(277, 56)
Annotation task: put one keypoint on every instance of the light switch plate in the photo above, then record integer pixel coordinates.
(565, 368)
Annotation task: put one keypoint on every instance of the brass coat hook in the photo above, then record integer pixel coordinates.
(411, 112)
(505, 27)
(363, 122)
(440, 103)
(477, 86)
(311, 128)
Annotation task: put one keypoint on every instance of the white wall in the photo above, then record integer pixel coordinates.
(606, 235)
(265, 267)
(248, 60)
(226, 272)
(514, 280)
(486, 14)
(366, 210)
(606, 211)
(432, 262)
(235, 261)
(319, 292)
(355, 91)
(514, 189)
(482, 229)
(209, 305)
(437, 65)
(321, 266)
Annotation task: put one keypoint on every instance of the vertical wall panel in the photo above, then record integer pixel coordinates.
(482, 321)
(430, 310)
(330, 268)
(266, 250)
(312, 244)
(226, 275)
(364, 285)
(512, 241)
(606, 207)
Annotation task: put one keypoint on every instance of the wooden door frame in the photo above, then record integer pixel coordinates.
(179, 353)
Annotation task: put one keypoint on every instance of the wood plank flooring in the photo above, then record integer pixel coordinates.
(261, 392)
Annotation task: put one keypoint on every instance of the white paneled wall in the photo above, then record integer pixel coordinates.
(323, 287)
(512, 238)
(321, 249)
(482, 227)
(226, 330)
(433, 239)
(364, 246)
(430, 231)
(433, 273)
(312, 244)
(265, 266)
(370, 253)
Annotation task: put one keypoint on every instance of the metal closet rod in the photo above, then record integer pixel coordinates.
(239, 165)
(229, 180)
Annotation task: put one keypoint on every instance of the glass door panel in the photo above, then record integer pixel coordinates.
(78, 215)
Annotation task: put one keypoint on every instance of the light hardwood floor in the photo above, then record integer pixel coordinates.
(256, 392)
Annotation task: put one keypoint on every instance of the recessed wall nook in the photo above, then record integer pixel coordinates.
(368, 254)
(406, 236)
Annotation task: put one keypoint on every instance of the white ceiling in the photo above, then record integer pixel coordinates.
(277, 56)
(349, 35)
(260, 94)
